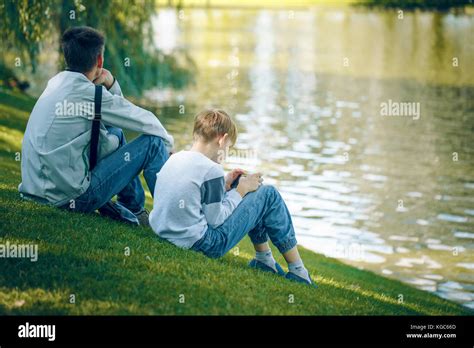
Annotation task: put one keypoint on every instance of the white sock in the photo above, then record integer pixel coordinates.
(299, 269)
(266, 257)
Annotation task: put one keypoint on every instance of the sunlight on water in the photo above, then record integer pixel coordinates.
(391, 194)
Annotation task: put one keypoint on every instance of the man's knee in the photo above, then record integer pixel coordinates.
(118, 132)
(153, 139)
(155, 142)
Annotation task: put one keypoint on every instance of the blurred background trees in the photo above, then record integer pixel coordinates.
(30, 26)
(27, 25)
(423, 4)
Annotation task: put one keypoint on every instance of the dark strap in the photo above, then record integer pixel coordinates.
(95, 127)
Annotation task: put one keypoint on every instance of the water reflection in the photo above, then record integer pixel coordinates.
(165, 26)
(390, 194)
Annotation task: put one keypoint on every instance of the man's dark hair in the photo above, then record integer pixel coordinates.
(81, 46)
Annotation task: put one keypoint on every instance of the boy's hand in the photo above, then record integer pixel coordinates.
(105, 78)
(231, 177)
(249, 183)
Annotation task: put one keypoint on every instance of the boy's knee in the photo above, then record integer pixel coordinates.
(268, 189)
(270, 193)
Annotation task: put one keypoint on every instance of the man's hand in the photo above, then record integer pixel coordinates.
(105, 78)
(231, 177)
(249, 183)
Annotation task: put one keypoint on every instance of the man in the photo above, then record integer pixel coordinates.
(55, 164)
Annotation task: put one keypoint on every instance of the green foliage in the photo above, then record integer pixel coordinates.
(130, 53)
(424, 4)
(9, 80)
(24, 24)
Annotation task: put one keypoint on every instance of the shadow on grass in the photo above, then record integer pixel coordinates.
(142, 288)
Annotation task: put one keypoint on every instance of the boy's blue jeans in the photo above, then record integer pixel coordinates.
(261, 214)
(117, 174)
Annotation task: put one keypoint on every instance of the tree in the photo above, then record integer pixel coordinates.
(130, 53)
(24, 24)
(426, 4)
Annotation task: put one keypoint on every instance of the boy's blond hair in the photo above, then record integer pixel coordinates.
(210, 123)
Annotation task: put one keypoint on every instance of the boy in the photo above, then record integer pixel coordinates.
(196, 208)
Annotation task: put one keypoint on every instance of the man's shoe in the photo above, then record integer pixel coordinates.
(117, 211)
(143, 218)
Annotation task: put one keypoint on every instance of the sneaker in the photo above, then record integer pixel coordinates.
(143, 218)
(117, 211)
(263, 267)
(296, 278)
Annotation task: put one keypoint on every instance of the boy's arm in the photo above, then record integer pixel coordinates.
(217, 204)
(119, 112)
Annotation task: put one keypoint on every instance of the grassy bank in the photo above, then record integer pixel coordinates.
(85, 256)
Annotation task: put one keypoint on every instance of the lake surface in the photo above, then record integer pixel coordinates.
(392, 194)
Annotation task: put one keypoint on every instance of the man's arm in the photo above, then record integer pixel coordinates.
(106, 79)
(115, 89)
(119, 112)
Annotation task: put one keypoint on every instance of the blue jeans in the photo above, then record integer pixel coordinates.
(117, 174)
(261, 214)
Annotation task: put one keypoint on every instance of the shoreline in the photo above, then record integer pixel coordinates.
(76, 251)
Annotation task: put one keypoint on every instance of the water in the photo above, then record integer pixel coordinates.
(392, 194)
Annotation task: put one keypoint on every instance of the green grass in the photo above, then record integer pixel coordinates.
(84, 255)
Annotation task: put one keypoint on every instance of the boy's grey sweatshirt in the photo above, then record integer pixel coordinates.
(190, 196)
